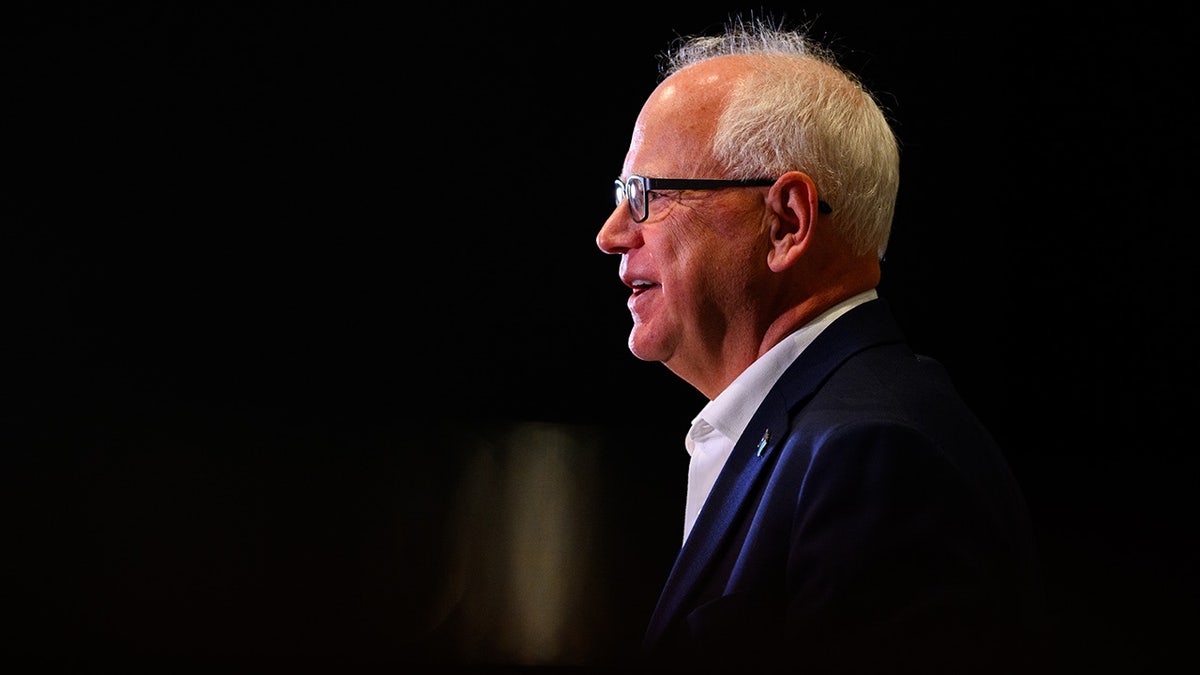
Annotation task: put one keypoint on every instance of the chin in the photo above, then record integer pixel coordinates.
(645, 347)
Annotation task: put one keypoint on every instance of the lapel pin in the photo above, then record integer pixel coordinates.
(762, 444)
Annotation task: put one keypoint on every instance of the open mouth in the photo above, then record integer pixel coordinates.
(640, 286)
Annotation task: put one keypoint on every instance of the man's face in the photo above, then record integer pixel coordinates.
(694, 264)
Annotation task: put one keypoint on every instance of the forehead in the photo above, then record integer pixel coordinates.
(675, 128)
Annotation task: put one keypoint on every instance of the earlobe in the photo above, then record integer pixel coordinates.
(786, 244)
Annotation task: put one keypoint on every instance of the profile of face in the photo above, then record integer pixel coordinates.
(699, 255)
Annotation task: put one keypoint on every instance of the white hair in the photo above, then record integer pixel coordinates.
(798, 110)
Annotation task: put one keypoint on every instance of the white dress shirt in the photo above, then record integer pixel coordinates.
(721, 422)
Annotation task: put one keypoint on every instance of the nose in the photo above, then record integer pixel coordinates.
(619, 233)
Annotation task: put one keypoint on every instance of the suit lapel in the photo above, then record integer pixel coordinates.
(863, 326)
(725, 503)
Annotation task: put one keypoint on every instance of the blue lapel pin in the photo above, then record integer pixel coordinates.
(762, 444)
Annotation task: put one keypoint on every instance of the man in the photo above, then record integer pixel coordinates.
(845, 508)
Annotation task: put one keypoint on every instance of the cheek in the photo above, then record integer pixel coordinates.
(703, 279)
(701, 265)
(685, 264)
(727, 274)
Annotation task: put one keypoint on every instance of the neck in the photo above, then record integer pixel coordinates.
(805, 312)
(797, 304)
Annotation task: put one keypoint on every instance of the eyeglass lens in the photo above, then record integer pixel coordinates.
(635, 190)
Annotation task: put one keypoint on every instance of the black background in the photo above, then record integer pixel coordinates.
(272, 273)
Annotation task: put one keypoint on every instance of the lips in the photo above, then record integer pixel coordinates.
(641, 295)
(640, 286)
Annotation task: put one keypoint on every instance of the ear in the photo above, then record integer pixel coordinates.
(792, 201)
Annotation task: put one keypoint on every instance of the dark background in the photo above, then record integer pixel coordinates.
(307, 342)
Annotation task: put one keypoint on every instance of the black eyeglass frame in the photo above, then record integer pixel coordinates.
(651, 184)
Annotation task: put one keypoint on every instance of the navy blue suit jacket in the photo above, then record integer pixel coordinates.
(878, 527)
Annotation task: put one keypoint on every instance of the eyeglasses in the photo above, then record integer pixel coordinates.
(636, 189)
